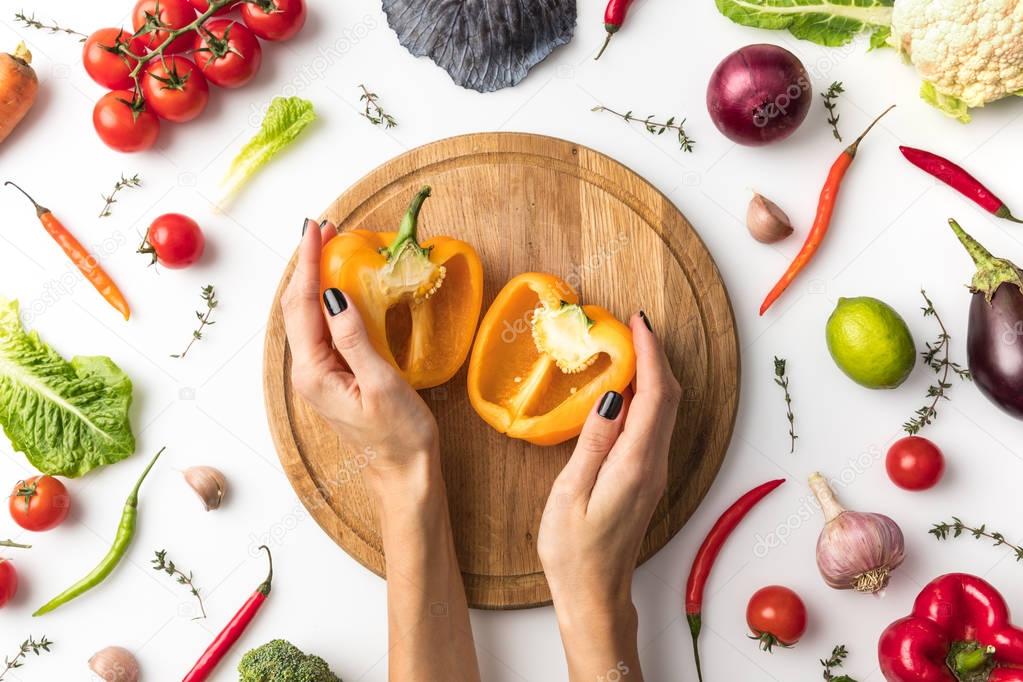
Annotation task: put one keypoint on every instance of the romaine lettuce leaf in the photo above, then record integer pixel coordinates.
(825, 22)
(284, 120)
(67, 417)
(952, 106)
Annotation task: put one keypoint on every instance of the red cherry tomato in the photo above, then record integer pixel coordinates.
(105, 64)
(777, 616)
(203, 5)
(174, 240)
(122, 125)
(175, 89)
(274, 19)
(914, 463)
(8, 581)
(39, 503)
(228, 54)
(156, 18)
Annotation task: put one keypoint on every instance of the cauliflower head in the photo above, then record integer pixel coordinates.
(969, 52)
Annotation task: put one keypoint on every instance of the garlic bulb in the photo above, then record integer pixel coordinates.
(766, 222)
(856, 550)
(208, 483)
(115, 664)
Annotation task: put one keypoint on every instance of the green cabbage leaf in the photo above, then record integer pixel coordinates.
(67, 417)
(285, 119)
(825, 22)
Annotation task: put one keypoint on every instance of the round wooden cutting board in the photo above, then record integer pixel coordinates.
(526, 203)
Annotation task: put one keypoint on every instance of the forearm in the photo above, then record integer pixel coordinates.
(600, 642)
(428, 618)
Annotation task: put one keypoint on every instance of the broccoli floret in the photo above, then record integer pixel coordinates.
(282, 661)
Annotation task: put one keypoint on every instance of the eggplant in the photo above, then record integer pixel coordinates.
(994, 343)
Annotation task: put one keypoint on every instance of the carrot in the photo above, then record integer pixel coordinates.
(18, 88)
(821, 223)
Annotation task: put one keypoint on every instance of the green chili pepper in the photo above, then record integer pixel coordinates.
(125, 534)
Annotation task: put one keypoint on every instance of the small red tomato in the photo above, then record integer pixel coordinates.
(174, 240)
(8, 581)
(154, 19)
(274, 19)
(123, 125)
(228, 54)
(105, 61)
(203, 5)
(175, 89)
(39, 503)
(914, 463)
(777, 616)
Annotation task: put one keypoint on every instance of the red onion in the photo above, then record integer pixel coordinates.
(759, 94)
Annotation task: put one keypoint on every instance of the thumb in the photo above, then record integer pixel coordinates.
(351, 340)
(599, 434)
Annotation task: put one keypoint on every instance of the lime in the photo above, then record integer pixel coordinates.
(870, 342)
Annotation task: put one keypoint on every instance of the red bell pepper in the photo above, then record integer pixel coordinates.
(959, 631)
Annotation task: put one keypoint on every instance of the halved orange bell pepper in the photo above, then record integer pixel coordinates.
(420, 302)
(541, 360)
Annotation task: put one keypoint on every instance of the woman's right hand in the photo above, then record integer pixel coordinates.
(338, 372)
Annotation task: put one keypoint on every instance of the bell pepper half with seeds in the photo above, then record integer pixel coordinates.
(542, 360)
(420, 301)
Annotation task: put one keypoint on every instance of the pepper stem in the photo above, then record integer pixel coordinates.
(40, 210)
(133, 498)
(695, 625)
(12, 543)
(264, 587)
(968, 661)
(1004, 212)
(991, 272)
(408, 230)
(851, 149)
(607, 41)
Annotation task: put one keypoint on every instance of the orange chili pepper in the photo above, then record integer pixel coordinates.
(541, 360)
(83, 260)
(821, 222)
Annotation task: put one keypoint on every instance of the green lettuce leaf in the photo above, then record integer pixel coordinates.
(285, 119)
(952, 106)
(825, 22)
(67, 417)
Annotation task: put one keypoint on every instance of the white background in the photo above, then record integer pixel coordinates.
(888, 239)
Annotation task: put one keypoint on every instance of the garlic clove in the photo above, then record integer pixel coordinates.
(766, 222)
(208, 483)
(115, 664)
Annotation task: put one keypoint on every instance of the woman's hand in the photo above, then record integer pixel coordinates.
(598, 512)
(338, 372)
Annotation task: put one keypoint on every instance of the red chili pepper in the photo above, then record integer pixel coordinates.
(708, 553)
(959, 179)
(614, 17)
(821, 222)
(223, 642)
(83, 260)
(959, 631)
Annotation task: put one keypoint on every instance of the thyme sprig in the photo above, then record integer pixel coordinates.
(836, 660)
(944, 531)
(935, 357)
(832, 93)
(209, 297)
(373, 112)
(783, 381)
(52, 27)
(162, 563)
(653, 127)
(111, 199)
(30, 645)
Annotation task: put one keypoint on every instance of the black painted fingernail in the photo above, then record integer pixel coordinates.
(322, 223)
(646, 321)
(305, 225)
(610, 405)
(335, 301)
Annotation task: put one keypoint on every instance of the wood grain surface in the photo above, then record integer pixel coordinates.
(527, 203)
